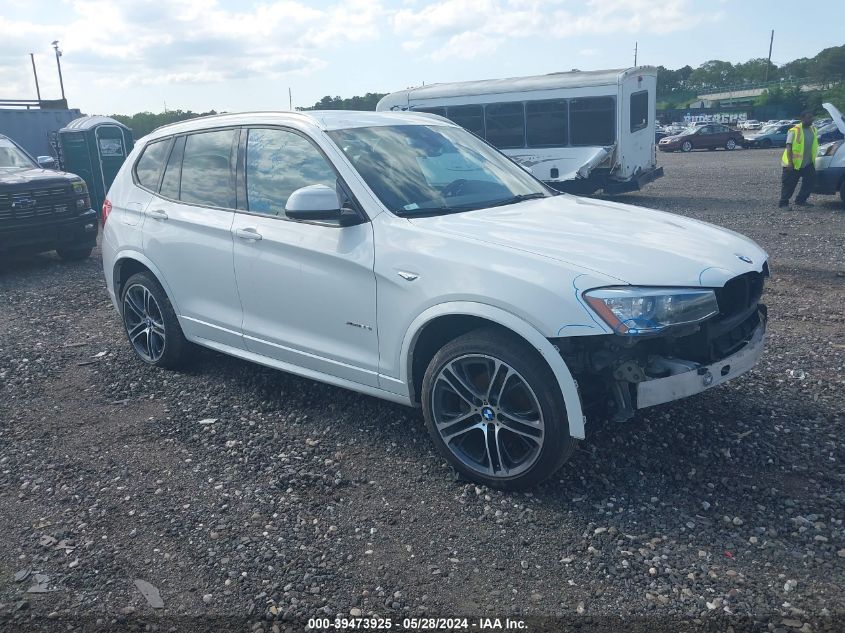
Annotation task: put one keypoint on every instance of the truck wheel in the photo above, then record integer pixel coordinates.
(686, 146)
(151, 324)
(74, 254)
(730, 145)
(495, 411)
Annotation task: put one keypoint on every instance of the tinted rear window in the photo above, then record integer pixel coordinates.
(546, 123)
(208, 176)
(148, 167)
(505, 123)
(593, 121)
(639, 110)
(469, 117)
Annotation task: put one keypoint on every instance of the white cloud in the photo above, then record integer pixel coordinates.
(152, 42)
(470, 28)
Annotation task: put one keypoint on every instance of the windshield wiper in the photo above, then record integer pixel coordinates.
(518, 198)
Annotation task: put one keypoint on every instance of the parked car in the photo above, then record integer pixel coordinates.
(830, 162)
(753, 125)
(708, 136)
(399, 255)
(659, 134)
(829, 133)
(771, 136)
(819, 123)
(42, 209)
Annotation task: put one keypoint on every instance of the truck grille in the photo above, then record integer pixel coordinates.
(33, 205)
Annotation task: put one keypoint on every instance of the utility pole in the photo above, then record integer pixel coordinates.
(635, 54)
(769, 62)
(34, 72)
(59, 66)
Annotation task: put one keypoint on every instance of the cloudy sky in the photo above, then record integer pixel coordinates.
(131, 55)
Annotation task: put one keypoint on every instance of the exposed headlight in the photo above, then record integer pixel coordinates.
(79, 186)
(829, 149)
(634, 311)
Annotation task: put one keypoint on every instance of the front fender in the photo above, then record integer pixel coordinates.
(568, 387)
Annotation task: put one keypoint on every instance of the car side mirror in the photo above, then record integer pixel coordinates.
(46, 162)
(319, 203)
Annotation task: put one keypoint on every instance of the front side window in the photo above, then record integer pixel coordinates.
(208, 176)
(547, 123)
(639, 110)
(505, 123)
(470, 117)
(434, 169)
(592, 121)
(278, 162)
(148, 167)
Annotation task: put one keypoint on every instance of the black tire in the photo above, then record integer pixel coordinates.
(74, 254)
(730, 145)
(842, 192)
(499, 345)
(170, 349)
(766, 143)
(686, 146)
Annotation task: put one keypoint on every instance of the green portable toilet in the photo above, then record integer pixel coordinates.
(94, 147)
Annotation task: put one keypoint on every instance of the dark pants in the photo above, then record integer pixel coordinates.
(789, 181)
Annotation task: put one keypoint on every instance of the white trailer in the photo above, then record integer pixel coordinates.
(577, 131)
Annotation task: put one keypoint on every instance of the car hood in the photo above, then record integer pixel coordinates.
(33, 175)
(836, 115)
(631, 244)
(675, 137)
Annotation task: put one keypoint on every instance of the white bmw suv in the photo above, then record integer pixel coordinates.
(398, 255)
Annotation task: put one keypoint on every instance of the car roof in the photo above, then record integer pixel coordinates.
(325, 120)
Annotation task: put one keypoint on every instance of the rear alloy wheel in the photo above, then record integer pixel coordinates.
(766, 144)
(495, 411)
(151, 324)
(686, 146)
(74, 254)
(730, 145)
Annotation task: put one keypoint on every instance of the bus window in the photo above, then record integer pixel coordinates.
(505, 123)
(639, 110)
(546, 123)
(593, 121)
(470, 117)
(438, 111)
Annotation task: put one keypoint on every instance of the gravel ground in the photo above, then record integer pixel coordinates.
(252, 499)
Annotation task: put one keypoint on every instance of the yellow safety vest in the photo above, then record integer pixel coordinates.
(798, 146)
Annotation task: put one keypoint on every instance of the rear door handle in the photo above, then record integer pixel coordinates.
(248, 234)
(158, 214)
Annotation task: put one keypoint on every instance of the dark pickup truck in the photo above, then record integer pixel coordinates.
(42, 209)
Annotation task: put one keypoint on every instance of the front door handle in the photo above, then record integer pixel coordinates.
(158, 214)
(248, 234)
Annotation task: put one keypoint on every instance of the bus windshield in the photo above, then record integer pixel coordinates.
(433, 169)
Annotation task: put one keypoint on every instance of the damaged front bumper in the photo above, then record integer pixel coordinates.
(687, 378)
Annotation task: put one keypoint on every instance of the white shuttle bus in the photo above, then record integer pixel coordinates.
(578, 131)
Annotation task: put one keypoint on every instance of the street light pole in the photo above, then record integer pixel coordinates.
(59, 66)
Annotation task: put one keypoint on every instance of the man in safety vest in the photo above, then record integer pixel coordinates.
(802, 145)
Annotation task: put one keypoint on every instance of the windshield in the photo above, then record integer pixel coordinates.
(12, 157)
(426, 169)
(769, 129)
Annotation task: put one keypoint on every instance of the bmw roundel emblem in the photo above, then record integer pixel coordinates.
(488, 414)
(743, 258)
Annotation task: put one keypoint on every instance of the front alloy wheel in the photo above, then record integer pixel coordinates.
(488, 416)
(495, 411)
(686, 146)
